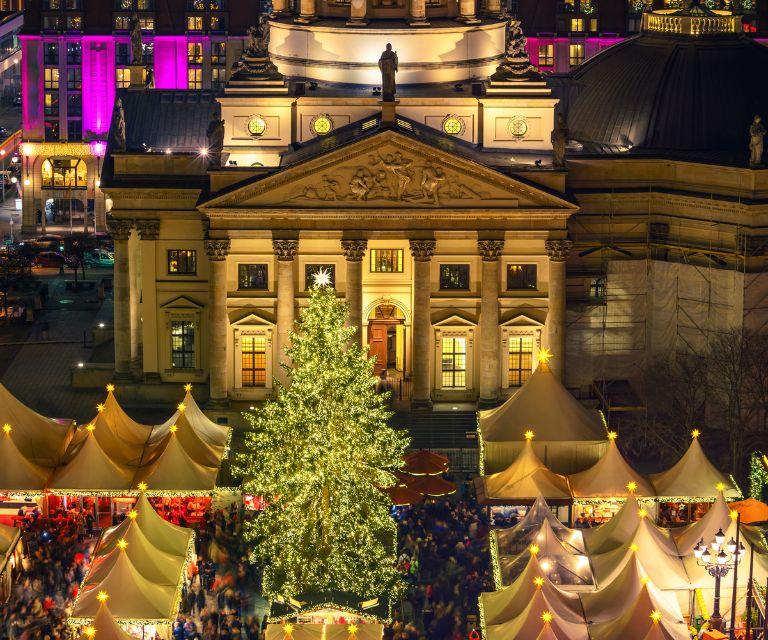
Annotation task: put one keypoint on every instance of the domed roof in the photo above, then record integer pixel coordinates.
(672, 90)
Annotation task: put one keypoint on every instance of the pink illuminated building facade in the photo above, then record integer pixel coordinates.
(75, 55)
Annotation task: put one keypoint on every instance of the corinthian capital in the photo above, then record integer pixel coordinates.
(217, 249)
(558, 250)
(422, 250)
(285, 250)
(119, 229)
(490, 250)
(148, 229)
(354, 250)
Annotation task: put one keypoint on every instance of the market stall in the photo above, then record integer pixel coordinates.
(10, 558)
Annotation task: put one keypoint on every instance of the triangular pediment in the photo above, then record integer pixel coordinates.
(389, 170)
(181, 302)
(252, 320)
(521, 320)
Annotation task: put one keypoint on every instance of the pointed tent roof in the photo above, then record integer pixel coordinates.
(526, 479)
(544, 405)
(175, 470)
(617, 531)
(106, 627)
(133, 596)
(608, 477)
(125, 428)
(17, 473)
(528, 623)
(198, 448)
(693, 476)
(206, 429)
(509, 602)
(40, 439)
(91, 469)
(121, 451)
(164, 535)
(155, 565)
(654, 549)
(608, 602)
(548, 632)
(718, 517)
(524, 532)
(635, 622)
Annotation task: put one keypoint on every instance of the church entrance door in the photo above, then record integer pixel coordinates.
(386, 338)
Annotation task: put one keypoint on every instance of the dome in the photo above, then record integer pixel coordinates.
(689, 85)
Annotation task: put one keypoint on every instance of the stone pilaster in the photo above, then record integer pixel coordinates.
(149, 232)
(217, 251)
(354, 252)
(120, 231)
(557, 250)
(285, 251)
(422, 252)
(490, 357)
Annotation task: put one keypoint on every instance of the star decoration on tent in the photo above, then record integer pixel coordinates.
(529, 435)
(89, 631)
(642, 513)
(545, 355)
(122, 544)
(352, 629)
(546, 617)
(100, 407)
(181, 407)
(633, 547)
(695, 433)
(188, 387)
(102, 596)
(612, 435)
(656, 615)
(142, 486)
(720, 486)
(534, 549)
(173, 428)
(288, 630)
(734, 515)
(133, 514)
(631, 486)
(322, 278)
(90, 428)
(538, 581)
(110, 388)
(7, 428)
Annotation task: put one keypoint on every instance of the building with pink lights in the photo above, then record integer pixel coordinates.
(76, 54)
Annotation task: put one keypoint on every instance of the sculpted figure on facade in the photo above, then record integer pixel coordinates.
(431, 178)
(388, 66)
(559, 141)
(215, 133)
(118, 130)
(137, 47)
(756, 136)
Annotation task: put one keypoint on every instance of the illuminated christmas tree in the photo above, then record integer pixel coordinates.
(320, 453)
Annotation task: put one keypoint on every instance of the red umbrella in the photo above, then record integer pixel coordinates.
(425, 463)
(430, 485)
(402, 496)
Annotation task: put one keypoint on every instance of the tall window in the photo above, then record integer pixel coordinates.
(51, 78)
(454, 277)
(576, 54)
(195, 53)
(252, 276)
(75, 104)
(51, 53)
(577, 24)
(521, 276)
(218, 77)
(311, 269)
(122, 23)
(74, 79)
(74, 53)
(182, 261)
(454, 363)
(218, 53)
(520, 360)
(195, 78)
(182, 344)
(51, 103)
(547, 55)
(194, 23)
(253, 360)
(386, 260)
(74, 130)
(123, 78)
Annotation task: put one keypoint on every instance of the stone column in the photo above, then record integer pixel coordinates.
(149, 231)
(422, 252)
(467, 12)
(133, 270)
(217, 251)
(121, 286)
(358, 9)
(490, 356)
(557, 250)
(417, 13)
(354, 252)
(307, 11)
(280, 7)
(285, 251)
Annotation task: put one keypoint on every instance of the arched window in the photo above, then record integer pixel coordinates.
(64, 173)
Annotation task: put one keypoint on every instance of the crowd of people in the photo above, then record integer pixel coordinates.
(443, 557)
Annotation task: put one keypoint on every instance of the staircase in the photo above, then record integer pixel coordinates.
(443, 429)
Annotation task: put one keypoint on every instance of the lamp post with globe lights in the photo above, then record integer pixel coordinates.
(718, 558)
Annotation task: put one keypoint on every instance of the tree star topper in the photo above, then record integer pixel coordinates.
(322, 278)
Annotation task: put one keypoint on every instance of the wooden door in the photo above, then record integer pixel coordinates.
(377, 343)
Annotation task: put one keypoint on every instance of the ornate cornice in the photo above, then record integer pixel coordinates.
(217, 250)
(285, 250)
(119, 228)
(149, 229)
(354, 250)
(490, 250)
(558, 250)
(422, 250)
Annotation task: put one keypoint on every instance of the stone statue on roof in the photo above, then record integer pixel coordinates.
(559, 141)
(388, 64)
(258, 38)
(215, 135)
(137, 46)
(118, 127)
(516, 65)
(756, 135)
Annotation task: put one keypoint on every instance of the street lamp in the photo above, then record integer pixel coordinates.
(718, 559)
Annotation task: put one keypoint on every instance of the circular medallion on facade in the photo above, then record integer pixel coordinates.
(518, 127)
(256, 126)
(453, 125)
(322, 124)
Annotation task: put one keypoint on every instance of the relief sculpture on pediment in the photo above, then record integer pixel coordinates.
(391, 177)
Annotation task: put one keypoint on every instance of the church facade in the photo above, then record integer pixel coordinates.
(446, 214)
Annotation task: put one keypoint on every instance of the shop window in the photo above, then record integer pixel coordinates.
(182, 261)
(521, 276)
(182, 344)
(253, 276)
(454, 277)
(65, 173)
(386, 260)
(520, 360)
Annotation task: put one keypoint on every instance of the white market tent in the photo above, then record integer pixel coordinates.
(106, 627)
(693, 476)
(40, 439)
(205, 429)
(717, 517)
(524, 480)
(18, 473)
(164, 535)
(617, 532)
(570, 436)
(609, 477)
(9, 546)
(310, 631)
